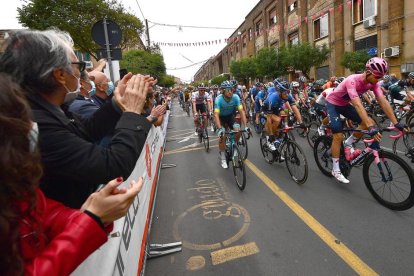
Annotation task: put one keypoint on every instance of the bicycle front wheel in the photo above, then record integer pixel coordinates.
(391, 181)
(242, 145)
(206, 140)
(296, 163)
(322, 154)
(312, 134)
(238, 168)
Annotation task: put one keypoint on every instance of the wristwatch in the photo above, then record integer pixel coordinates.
(153, 118)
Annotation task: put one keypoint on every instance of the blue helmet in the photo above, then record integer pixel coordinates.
(234, 83)
(226, 85)
(283, 86)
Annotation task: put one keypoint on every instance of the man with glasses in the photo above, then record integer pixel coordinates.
(344, 100)
(225, 108)
(104, 88)
(83, 104)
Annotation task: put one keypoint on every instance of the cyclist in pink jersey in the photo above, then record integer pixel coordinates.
(339, 103)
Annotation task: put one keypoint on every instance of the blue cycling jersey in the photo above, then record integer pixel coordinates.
(270, 91)
(254, 92)
(226, 108)
(274, 102)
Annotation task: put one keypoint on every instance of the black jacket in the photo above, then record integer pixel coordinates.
(73, 165)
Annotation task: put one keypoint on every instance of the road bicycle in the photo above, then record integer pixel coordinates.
(293, 155)
(187, 108)
(389, 179)
(408, 141)
(203, 132)
(234, 156)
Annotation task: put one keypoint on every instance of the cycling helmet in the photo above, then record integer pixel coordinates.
(270, 84)
(339, 80)
(411, 75)
(387, 78)
(377, 66)
(319, 82)
(302, 79)
(202, 87)
(294, 84)
(234, 83)
(226, 85)
(214, 86)
(283, 86)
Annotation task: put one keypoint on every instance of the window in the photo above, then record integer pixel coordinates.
(366, 43)
(292, 5)
(244, 39)
(294, 38)
(250, 34)
(259, 28)
(272, 17)
(321, 27)
(369, 8)
(356, 11)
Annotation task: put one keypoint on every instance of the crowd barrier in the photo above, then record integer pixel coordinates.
(125, 251)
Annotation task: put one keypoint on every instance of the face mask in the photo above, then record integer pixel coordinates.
(71, 95)
(33, 136)
(111, 88)
(93, 89)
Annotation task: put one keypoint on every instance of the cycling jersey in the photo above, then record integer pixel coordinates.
(351, 88)
(270, 91)
(226, 108)
(275, 103)
(254, 91)
(200, 99)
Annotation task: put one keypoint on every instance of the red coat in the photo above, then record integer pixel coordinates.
(65, 239)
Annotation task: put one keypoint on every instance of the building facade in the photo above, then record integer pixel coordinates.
(383, 28)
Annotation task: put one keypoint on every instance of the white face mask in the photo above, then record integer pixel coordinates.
(33, 136)
(71, 95)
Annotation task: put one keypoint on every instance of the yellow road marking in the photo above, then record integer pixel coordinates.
(234, 252)
(184, 150)
(342, 250)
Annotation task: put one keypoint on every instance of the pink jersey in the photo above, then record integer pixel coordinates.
(352, 87)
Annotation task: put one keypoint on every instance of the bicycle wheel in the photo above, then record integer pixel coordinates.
(206, 140)
(296, 163)
(306, 120)
(322, 154)
(268, 155)
(242, 145)
(391, 181)
(408, 137)
(239, 171)
(312, 134)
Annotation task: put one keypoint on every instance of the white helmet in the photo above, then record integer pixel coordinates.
(294, 84)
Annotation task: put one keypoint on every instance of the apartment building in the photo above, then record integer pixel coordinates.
(383, 28)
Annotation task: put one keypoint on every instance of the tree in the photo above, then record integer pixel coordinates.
(269, 63)
(219, 79)
(77, 18)
(304, 56)
(235, 69)
(167, 81)
(249, 70)
(355, 61)
(143, 62)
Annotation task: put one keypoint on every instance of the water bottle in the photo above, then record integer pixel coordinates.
(277, 143)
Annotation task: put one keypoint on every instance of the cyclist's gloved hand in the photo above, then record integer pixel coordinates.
(372, 130)
(247, 129)
(220, 131)
(400, 126)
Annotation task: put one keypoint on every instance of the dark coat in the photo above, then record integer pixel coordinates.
(73, 164)
(84, 107)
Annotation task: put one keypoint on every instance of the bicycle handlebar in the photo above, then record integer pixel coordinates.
(388, 129)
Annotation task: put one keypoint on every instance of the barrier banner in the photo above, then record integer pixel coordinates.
(124, 252)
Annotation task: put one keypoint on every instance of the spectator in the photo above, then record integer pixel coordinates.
(83, 104)
(104, 88)
(153, 112)
(40, 236)
(44, 65)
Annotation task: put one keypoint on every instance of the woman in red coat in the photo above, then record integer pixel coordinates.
(40, 236)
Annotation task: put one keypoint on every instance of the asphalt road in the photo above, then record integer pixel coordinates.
(274, 226)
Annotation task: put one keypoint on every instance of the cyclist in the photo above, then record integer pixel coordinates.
(225, 108)
(202, 104)
(258, 103)
(294, 85)
(330, 83)
(339, 103)
(402, 85)
(274, 105)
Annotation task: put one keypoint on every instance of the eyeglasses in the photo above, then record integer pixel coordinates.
(81, 65)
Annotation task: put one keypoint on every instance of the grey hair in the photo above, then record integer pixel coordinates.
(31, 56)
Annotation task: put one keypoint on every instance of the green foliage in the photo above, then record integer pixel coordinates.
(270, 63)
(304, 56)
(243, 69)
(167, 81)
(77, 18)
(355, 61)
(219, 79)
(143, 62)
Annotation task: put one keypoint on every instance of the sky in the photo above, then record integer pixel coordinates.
(207, 13)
